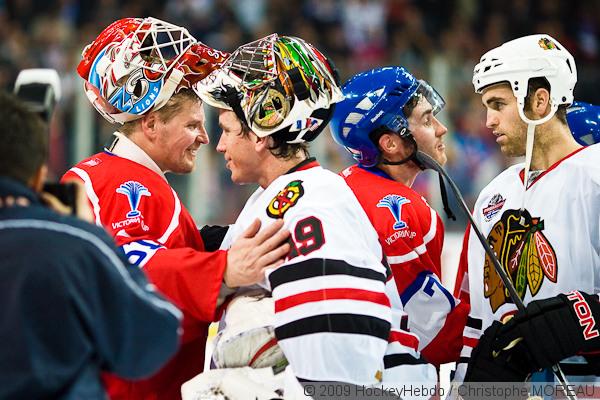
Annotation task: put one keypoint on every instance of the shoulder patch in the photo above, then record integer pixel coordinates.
(494, 206)
(285, 199)
(394, 203)
(134, 192)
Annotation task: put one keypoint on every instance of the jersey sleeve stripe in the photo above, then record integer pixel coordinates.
(174, 220)
(470, 342)
(394, 360)
(474, 323)
(327, 282)
(331, 294)
(91, 194)
(329, 307)
(335, 323)
(318, 267)
(404, 338)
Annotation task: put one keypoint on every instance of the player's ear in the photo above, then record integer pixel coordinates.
(149, 124)
(261, 144)
(388, 143)
(540, 103)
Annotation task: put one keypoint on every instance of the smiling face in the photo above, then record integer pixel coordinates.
(180, 137)
(504, 120)
(239, 149)
(428, 131)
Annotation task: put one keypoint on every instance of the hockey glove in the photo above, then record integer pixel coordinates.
(555, 328)
(486, 365)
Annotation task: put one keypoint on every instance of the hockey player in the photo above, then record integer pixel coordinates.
(332, 316)
(542, 219)
(130, 80)
(385, 117)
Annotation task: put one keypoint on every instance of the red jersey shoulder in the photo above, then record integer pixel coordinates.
(133, 200)
(395, 210)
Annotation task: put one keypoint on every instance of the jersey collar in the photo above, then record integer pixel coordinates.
(310, 162)
(126, 148)
(376, 171)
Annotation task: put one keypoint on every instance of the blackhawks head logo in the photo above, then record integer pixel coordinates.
(285, 199)
(525, 254)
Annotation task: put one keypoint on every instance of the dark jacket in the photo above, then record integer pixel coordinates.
(71, 306)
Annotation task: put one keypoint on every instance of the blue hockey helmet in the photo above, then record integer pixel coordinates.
(584, 122)
(373, 102)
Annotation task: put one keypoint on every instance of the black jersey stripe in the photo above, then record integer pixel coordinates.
(474, 323)
(316, 267)
(338, 323)
(394, 360)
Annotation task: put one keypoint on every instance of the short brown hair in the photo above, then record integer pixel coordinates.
(167, 112)
(24, 138)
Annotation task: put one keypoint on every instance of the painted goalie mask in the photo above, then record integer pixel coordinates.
(135, 65)
(276, 85)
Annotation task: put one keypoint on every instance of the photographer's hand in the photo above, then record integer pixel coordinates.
(84, 210)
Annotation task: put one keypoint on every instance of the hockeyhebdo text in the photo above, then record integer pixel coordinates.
(480, 390)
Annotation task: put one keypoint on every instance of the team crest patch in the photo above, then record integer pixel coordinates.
(494, 206)
(285, 199)
(394, 203)
(525, 254)
(546, 44)
(134, 192)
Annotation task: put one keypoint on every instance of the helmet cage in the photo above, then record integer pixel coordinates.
(136, 65)
(277, 84)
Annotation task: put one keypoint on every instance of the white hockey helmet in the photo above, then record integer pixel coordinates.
(534, 56)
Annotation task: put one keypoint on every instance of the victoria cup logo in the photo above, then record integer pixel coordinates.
(394, 203)
(134, 192)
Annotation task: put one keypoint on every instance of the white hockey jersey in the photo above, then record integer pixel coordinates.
(332, 316)
(556, 250)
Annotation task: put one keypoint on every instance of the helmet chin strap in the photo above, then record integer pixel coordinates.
(531, 124)
(409, 138)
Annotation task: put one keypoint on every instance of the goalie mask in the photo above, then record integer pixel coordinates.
(373, 102)
(276, 85)
(135, 65)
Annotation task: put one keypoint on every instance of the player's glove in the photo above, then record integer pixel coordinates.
(486, 365)
(555, 328)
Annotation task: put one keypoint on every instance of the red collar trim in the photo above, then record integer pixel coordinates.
(522, 172)
(306, 164)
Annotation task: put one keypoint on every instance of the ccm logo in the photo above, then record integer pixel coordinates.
(586, 320)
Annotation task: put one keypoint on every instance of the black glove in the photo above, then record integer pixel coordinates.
(554, 328)
(505, 366)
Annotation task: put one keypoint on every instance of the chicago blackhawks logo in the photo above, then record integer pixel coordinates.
(546, 44)
(525, 254)
(285, 199)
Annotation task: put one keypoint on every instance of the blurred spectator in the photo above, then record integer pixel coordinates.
(439, 40)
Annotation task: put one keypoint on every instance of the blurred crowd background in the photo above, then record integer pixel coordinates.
(437, 40)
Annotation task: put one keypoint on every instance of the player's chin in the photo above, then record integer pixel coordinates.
(441, 157)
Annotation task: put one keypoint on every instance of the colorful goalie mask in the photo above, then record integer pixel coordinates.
(277, 84)
(135, 65)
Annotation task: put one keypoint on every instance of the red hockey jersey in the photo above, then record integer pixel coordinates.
(132, 199)
(412, 235)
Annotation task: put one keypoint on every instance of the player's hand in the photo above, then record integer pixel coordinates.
(254, 252)
(488, 365)
(555, 328)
